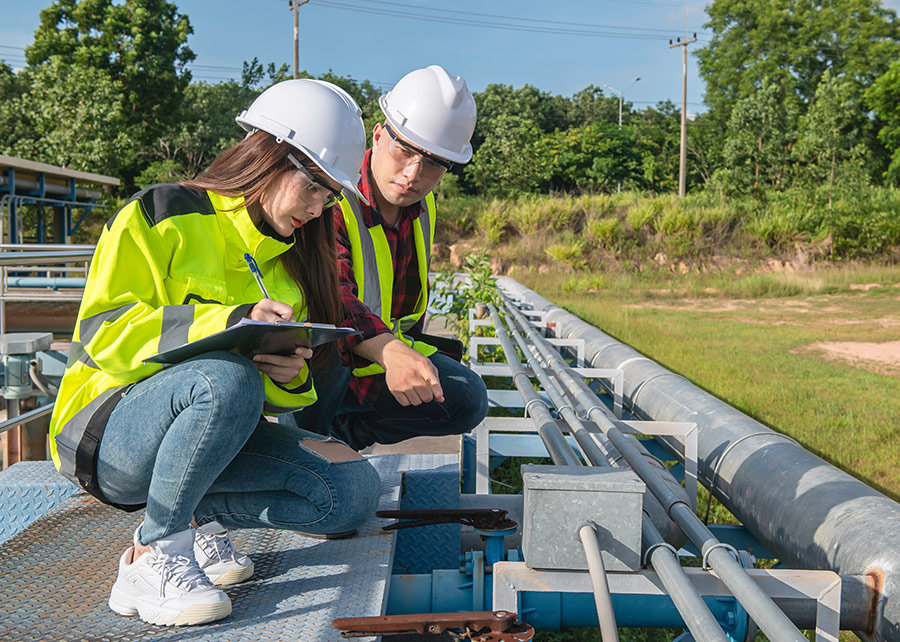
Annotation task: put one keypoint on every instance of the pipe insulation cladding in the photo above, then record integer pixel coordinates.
(810, 513)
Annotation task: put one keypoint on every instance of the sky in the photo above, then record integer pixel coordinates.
(559, 46)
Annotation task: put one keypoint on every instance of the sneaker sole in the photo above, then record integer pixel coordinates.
(234, 576)
(192, 615)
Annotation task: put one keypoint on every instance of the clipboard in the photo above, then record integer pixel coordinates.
(250, 337)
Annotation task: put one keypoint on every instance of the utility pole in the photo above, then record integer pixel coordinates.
(682, 178)
(295, 5)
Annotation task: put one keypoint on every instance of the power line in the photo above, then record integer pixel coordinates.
(331, 4)
(537, 20)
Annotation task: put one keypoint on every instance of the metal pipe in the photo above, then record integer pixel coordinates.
(31, 415)
(602, 597)
(664, 558)
(559, 449)
(50, 188)
(774, 623)
(807, 511)
(40, 258)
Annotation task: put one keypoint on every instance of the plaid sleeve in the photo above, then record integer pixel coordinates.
(356, 314)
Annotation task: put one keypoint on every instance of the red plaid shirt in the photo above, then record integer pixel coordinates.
(407, 284)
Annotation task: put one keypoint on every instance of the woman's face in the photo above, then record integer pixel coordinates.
(296, 197)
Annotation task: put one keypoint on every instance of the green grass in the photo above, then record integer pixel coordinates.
(745, 339)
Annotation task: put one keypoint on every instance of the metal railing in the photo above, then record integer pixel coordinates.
(29, 259)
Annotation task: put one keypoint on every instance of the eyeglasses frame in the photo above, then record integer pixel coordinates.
(335, 194)
(447, 165)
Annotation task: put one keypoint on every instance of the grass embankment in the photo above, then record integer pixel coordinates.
(701, 232)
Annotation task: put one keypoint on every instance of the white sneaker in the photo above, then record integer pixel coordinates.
(165, 585)
(217, 558)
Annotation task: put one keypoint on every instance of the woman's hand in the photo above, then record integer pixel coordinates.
(280, 368)
(271, 311)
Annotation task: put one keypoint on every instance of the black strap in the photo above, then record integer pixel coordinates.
(89, 448)
(448, 345)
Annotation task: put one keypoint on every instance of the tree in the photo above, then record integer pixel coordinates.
(592, 158)
(884, 99)
(792, 43)
(590, 106)
(761, 131)
(138, 44)
(507, 162)
(828, 146)
(657, 134)
(69, 116)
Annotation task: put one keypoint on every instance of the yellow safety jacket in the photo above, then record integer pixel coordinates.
(373, 269)
(169, 268)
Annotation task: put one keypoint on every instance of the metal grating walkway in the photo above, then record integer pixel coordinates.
(55, 576)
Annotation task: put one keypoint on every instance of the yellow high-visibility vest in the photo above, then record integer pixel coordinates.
(373, 269)
(169, 268)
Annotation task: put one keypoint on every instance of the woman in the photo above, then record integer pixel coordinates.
(189, 440)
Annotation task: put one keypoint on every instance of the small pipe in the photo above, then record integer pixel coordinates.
(602, 597)
(559, 449)
(697, 617)
(773, 622)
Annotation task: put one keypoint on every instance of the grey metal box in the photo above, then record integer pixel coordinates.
(560, 499)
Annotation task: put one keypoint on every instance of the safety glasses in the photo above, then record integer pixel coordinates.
(315, 192)
(404, 153)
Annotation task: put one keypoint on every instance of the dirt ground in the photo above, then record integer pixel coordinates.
(880, 357)
(876, 357)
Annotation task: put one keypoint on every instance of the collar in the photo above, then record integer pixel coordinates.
(243, 233)
(371, 215)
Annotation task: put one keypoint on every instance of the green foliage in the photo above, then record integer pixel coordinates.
(508, 161)
(69, 116)
(140, 46)
(884, 98)
(830, 156)
(792, 43)
(477, 288)
(569, 250)
(591, 158)
(757, 151)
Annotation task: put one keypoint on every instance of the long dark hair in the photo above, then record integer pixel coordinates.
(247, 169)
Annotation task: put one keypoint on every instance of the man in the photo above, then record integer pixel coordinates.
(395, 382)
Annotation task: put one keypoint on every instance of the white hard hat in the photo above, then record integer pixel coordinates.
(434, 111)
(319, 119)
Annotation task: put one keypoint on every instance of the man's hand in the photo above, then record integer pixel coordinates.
(410, 376)
(282, 369)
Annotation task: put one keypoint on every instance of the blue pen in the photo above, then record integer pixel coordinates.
(256, 274)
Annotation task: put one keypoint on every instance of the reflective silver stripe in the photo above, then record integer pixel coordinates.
(176, 323)
(406, 323)
(88, 326)
(78, 353)
(425, 222)
(371, 284)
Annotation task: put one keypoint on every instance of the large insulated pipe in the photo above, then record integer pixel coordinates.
(663, 557)
(773, 622)
(559, 449)
(810, 513)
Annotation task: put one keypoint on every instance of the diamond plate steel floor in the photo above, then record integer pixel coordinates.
(55, 576)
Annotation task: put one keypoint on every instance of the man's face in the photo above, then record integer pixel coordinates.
(402, 174)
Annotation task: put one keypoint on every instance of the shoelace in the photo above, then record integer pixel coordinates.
(211, 542)
(181, 570)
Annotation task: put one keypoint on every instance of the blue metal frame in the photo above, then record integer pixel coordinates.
(13, 199)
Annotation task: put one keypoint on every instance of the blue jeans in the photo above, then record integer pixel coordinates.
(189, 441)
(337, 413)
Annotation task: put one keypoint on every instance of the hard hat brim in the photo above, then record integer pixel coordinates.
(459, 156)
